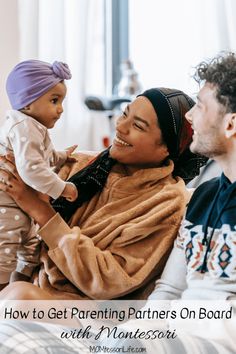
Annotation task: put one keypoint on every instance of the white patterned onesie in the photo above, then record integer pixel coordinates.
(35, 157)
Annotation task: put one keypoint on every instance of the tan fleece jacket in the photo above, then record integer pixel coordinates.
(119, 240)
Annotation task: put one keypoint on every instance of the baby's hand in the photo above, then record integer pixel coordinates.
(69, 151)
(70, 192)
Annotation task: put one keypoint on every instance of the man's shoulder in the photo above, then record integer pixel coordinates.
(202, 197)
(211, 182)
(209, 186)
(205, 192)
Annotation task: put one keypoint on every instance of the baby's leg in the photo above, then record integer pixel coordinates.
(12, 222)
(27, 254)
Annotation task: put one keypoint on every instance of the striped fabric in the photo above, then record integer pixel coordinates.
(18, 337)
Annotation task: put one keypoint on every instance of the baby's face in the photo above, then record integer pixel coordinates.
(48, 108)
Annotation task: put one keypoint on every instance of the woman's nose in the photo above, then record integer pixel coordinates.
(122, 125)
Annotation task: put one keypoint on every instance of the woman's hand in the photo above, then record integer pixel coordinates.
(30, 201)
(11, 182)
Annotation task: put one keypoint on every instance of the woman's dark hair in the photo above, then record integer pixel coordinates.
(170, 106)
(220, 72)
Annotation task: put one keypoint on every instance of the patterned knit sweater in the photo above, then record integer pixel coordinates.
(202, 264)
(118, 241)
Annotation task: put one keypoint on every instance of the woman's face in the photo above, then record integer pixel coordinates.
(138, 142)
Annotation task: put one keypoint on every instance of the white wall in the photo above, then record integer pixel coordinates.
(9, 53)
(168, 38)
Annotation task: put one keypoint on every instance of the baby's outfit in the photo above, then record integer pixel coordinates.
(35, 158)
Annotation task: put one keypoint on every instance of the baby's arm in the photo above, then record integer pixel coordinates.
(60, 157)
(27, 142)
(70, 192)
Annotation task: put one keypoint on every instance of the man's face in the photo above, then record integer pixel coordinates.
(207, 119)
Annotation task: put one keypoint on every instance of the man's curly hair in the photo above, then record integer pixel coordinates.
(220, 72)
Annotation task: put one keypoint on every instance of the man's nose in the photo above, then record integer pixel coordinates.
(188, 116)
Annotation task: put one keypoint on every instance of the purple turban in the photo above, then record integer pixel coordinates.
(31, 79)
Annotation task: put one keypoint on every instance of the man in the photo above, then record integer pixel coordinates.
(202, 264)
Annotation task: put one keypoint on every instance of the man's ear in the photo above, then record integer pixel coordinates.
(230, 125)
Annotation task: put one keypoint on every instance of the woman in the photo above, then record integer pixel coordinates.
(118, 241)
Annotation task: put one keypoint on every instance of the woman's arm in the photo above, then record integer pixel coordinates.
(29, 200)
(120, 257)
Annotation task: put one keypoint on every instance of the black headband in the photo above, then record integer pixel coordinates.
(167, 118)
(170, 106)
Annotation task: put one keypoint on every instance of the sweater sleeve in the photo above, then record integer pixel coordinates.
(27, 144)
(173, 280)
(113, 271)
(58, 158)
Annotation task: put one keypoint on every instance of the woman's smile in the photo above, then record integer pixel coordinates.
(120, 142)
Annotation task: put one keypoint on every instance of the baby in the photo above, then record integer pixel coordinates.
(36, 91)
